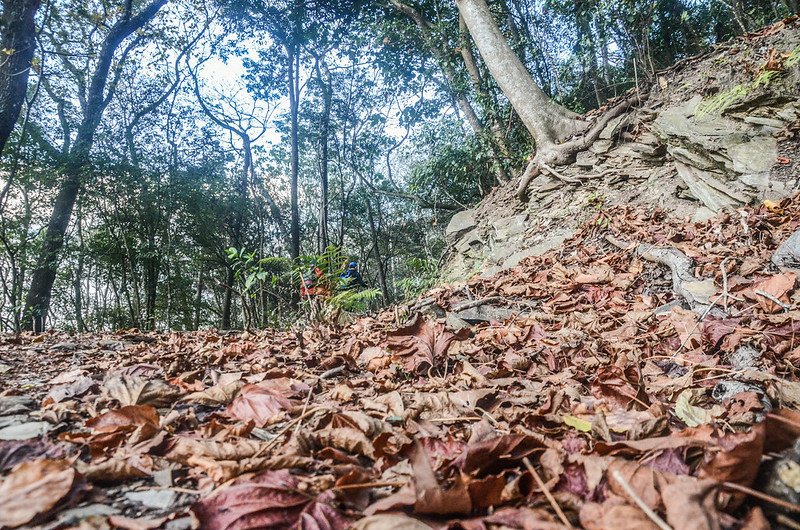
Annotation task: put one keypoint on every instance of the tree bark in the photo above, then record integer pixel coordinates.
(547, 121)
(293, 60)
(378, 260)
(327, 97)
(37, 302)
(19, 44)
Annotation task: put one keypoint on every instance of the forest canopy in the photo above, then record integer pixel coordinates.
(169, 163)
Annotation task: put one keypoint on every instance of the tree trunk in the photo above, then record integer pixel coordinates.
(198, 299)
(324, 150)
(19, 41)
(547, 121)
(227, 302)
(293, 60)
(375, 244)
(37, 303)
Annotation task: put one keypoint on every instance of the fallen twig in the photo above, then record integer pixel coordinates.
(653, 516)
(546, 491)
(762, 496)
(773, 298)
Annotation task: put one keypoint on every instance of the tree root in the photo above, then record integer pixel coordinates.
(563, 154)
(696, 293)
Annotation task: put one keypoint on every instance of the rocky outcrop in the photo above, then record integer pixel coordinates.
(714, 132)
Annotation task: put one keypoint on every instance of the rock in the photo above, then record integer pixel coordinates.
(780, 478)
(73, 516)
(156, 499)
(485, 313)
(766, 122)
(744, 357)
(468, 240)
(16, 405)
(708, 190)
(612, 128)
(728, 388)
(586, 159)
(461, 223)
(509, 227)
(455, 323)
(691, 158)
(703, 214)
(24, 431)
(64, 346)
(788, 254)
(759, 181)
(756, 156)
(601, 146)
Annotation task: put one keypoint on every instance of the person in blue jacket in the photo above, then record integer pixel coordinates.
(351, 278)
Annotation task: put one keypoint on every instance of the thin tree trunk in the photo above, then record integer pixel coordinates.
(324, 150)
(198, 299)
(375, 244)
(441, 55)
(19, 42)
(227, 301)
(79, 322)
(292, 54)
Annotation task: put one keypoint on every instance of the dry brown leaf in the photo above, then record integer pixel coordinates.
(34, 490)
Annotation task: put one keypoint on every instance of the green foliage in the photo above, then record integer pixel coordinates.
(727, 98)
(421, 275)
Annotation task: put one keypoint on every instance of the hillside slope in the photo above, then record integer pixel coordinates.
(715, 132)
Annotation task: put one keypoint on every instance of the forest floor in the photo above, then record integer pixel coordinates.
(576, 389)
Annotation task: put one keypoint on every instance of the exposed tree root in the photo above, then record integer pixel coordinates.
(696, 293)
(563, 154)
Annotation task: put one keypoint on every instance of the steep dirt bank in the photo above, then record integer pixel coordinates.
(714, 132)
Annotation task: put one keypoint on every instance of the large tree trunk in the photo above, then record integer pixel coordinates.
(19, 42)
(37, 302)
(547, 121)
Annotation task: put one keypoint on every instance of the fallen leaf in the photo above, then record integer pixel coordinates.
(34, 490)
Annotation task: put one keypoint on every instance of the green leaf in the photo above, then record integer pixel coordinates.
(688, 413)
(578, 423)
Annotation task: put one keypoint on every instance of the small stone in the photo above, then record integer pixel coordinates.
(156, 499)
(744, 357)
(461, 223)
(24, 431)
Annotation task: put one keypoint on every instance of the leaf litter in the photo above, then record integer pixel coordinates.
(605, 398)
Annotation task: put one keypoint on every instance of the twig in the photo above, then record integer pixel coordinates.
(323, 375)
(787, 522)
(333, 371)
(699, 321)
(772, 298)
(762, 496)
(366, 485)
(288, 426)
(547, 493)
(653, 516)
